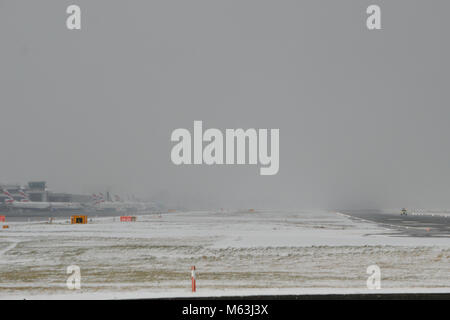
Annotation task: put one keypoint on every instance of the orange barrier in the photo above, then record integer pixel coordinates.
(127, 219)
(5, 226)
(193, 278)
(78, 220)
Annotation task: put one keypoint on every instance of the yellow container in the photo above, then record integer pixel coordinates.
(78, 220)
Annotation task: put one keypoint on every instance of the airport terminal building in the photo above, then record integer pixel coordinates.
(38, 191)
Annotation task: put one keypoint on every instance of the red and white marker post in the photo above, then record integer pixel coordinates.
(194, 286)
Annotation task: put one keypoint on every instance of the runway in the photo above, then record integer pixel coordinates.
(413, 225)
(264, 253)
(43, 216)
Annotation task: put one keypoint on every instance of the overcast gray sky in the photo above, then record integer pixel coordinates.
(364, 116)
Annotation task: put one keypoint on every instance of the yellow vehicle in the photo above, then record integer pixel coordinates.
(78, 220)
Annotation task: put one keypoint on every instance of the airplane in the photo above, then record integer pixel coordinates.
(100, 204)
(26, 204)
(24, 196)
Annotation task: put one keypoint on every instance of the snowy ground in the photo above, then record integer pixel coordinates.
(234, 252)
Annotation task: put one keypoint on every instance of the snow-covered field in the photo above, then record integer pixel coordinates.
(266, 252)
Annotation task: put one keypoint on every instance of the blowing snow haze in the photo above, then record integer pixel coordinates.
(364, 116)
